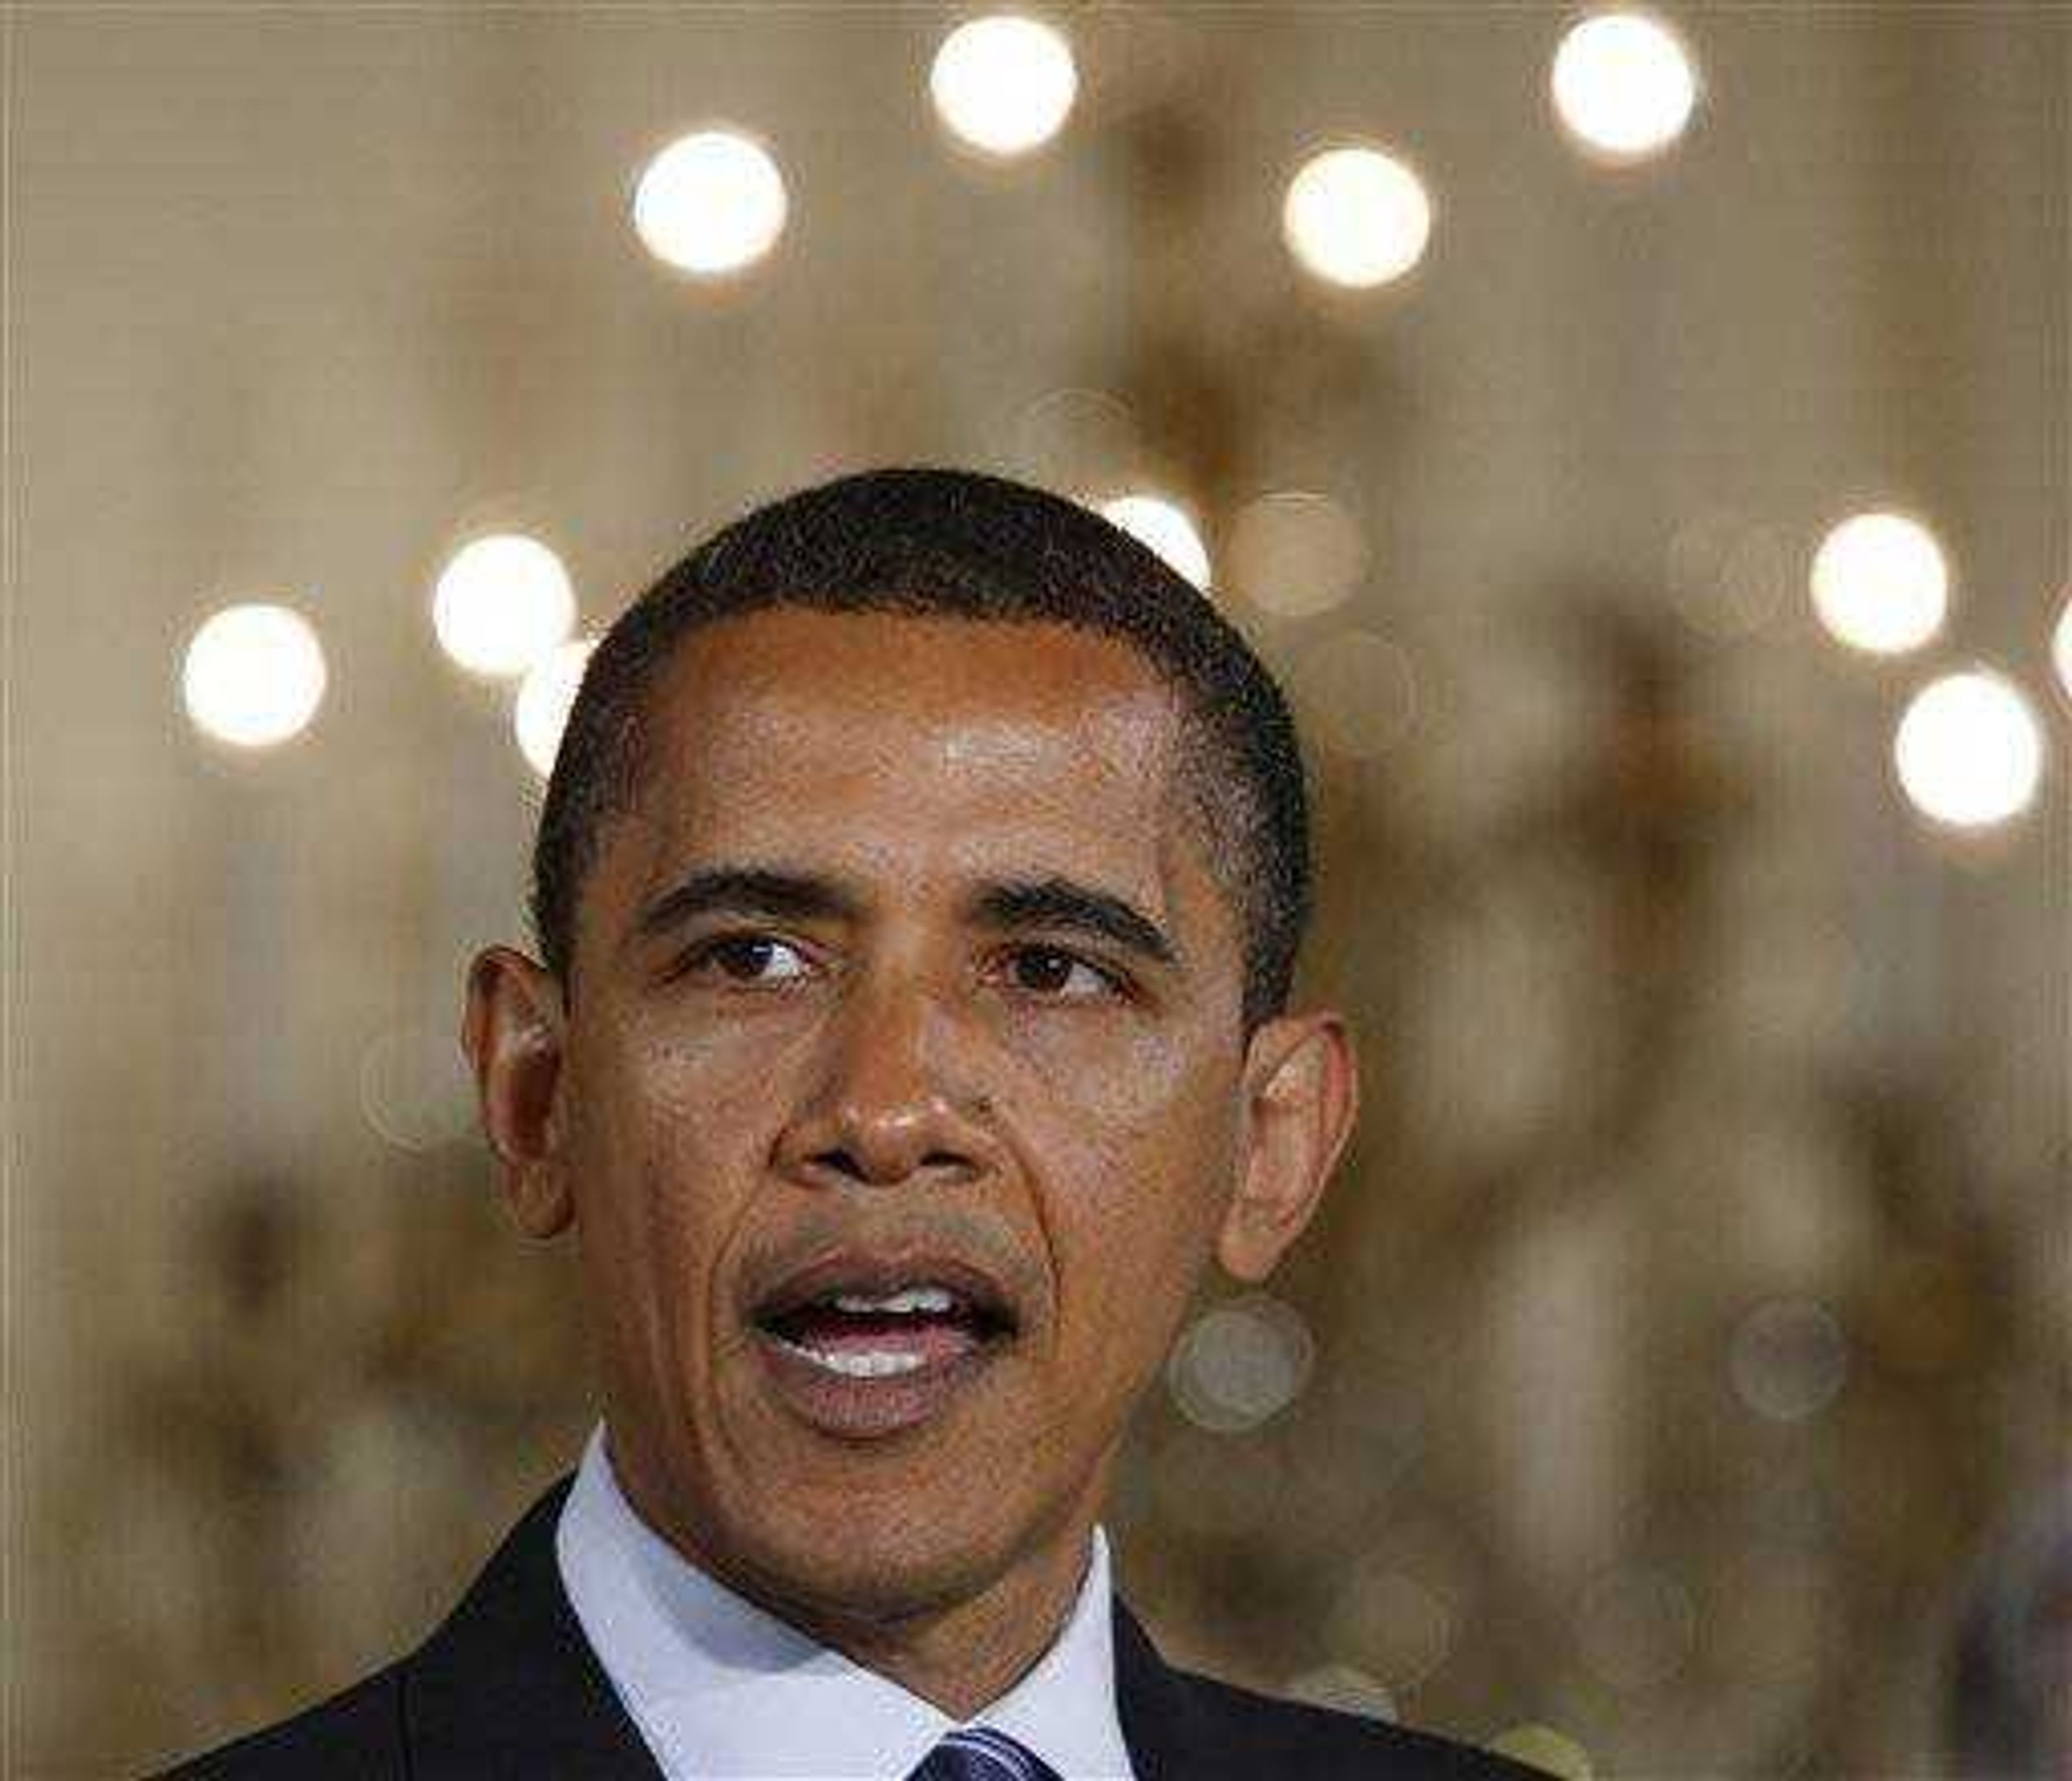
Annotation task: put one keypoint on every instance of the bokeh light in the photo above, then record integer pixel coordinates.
(1068, 440)
(1543, 1747)
(1728, 575)
(1969, 750)
(502, 603)
(415, 1089)
(1240, 1363)
(1391, 1621)
(1788, 1359)
(1295, 554)
(1343, 1687)
(1167, 527)
(1003, 85)
(711, 202)
(1360, 690)
(253, 675)
(2061, 648)
(540, 712)
(1357, 217)
(1881, 583)
(1624, 84)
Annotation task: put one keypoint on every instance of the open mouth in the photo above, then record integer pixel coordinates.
(862, 1363)
(880, 1336)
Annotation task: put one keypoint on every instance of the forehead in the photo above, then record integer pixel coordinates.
(851, 728)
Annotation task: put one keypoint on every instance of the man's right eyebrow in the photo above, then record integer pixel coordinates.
(745, 890)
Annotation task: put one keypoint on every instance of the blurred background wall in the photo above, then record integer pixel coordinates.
(1681, 1356)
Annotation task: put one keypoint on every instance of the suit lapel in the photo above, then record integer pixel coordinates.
(1167, 1725)
(509, 1685)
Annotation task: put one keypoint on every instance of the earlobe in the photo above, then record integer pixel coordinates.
(1302, 1096)
(514, 1031)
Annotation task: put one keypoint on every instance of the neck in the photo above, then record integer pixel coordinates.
(960, 1656)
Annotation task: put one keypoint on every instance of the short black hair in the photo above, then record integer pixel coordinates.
(929, 542)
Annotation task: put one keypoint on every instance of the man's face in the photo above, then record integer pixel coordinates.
(934, 1022)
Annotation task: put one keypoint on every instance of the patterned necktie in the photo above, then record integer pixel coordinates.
(978, 1753)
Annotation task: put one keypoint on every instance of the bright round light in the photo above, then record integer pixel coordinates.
(1356, 216)
(1969, 751)
(1624, 84)
(502, 603)
(540, 712)
(1003, 85)
(1167, 527)
(1881, 583)
(253, 675)
(711, 202)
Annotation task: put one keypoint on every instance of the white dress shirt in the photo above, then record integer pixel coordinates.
(722, 1690)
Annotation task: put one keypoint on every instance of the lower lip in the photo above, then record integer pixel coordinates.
(864, 1409)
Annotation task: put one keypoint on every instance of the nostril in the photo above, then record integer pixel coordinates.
(842, 1163)
(848, 1164)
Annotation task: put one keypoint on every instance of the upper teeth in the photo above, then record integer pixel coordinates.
(907, 1298)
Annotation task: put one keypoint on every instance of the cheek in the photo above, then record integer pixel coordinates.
(658, 1152)
(1116, 1071)
(1138, 1175)
(661, 1104)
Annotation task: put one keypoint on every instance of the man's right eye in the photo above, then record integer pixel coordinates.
(744, 958)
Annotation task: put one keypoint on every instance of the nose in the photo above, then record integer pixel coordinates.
(882, 1112)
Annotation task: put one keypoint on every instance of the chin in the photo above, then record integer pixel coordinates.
(883, 1558)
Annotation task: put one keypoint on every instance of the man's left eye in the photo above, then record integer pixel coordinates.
(1047, 970)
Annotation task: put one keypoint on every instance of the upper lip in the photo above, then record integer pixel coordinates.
(876, 1272)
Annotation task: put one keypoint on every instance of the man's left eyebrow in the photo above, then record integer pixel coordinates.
(1059, 903)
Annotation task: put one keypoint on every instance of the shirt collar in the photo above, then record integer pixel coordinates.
(722, 1690)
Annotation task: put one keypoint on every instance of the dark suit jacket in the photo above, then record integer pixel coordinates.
(508, 1688)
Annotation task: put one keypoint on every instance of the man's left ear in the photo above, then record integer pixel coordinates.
(1301, 1095)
